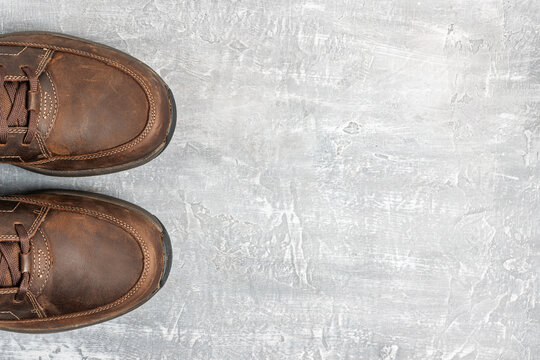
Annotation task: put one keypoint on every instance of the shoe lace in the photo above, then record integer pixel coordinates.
(15, 259)
(16, 100)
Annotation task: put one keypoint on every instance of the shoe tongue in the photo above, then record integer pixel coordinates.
(7, 92)
(11, 250)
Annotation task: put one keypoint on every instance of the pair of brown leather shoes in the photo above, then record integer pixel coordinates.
(71, 107)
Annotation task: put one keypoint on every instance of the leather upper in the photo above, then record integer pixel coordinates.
(98, 107)
(91, 260)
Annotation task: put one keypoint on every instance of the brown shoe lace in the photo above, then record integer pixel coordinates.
(15, 259)
(16, 100)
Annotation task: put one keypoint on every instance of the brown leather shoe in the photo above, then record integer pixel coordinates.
(71, 107)
(71, 259)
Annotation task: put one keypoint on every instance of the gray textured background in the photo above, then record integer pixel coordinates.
(349, 179)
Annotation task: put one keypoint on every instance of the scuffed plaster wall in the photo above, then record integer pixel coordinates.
(349, 179)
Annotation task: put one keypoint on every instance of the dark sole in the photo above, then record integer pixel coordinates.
(128, 166)
(167, 250)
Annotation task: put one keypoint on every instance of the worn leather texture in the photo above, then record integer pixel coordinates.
(99, 108)
(92, 259)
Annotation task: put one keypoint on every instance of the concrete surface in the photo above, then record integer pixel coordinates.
(349, 179)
